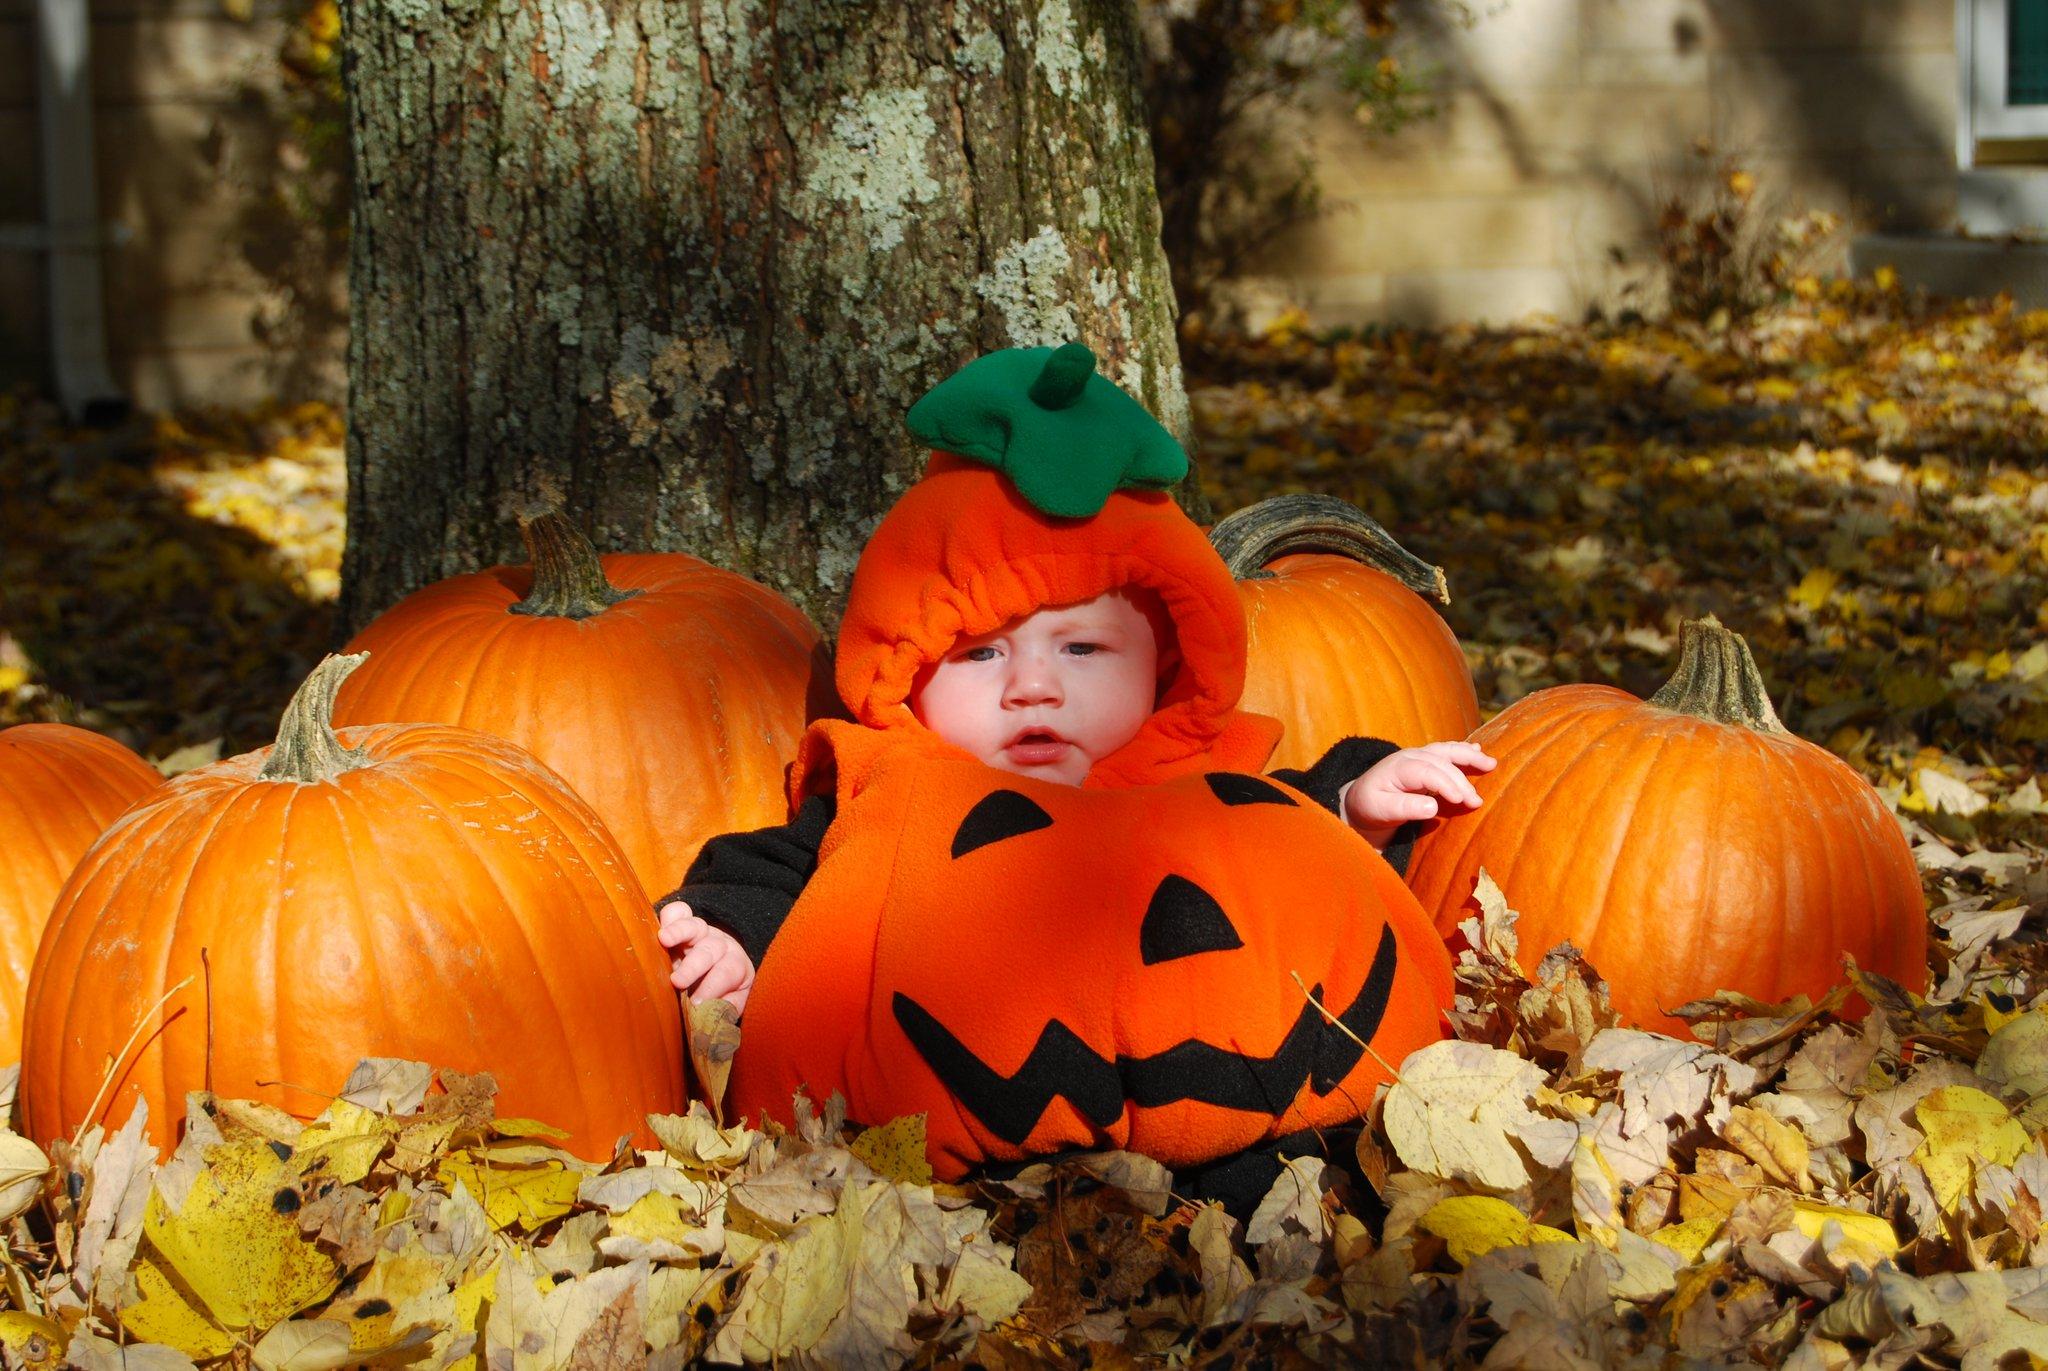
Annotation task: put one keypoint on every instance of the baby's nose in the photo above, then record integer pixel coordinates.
(1032, 684)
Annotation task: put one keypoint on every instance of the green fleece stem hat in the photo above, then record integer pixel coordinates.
(1064, 435)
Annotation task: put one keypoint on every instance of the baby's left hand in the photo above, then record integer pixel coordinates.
(1414, 783)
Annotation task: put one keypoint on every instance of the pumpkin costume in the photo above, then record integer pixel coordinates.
(1128, 963)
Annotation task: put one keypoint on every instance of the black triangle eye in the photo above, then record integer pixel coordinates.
(1182, 920)
(1000, 814)
(1235, 789)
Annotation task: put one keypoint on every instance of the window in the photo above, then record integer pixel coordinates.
(2002, 51)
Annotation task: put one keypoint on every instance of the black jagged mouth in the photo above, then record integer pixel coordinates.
(1315, 1052)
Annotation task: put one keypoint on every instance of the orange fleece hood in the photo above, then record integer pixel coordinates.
(963, 552)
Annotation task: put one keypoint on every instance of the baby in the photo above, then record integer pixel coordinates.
(1046, 695)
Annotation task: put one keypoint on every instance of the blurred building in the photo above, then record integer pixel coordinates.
(222, 282)
(1563, 131)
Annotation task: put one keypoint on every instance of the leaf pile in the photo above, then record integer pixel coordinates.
(168, 582)
(1851, 480)
(1848, 478)
(1547, 1189)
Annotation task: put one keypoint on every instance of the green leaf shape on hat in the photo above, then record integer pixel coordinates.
(1064, 435)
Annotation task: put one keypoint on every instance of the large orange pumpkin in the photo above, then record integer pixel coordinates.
(1039, 967)
(59, 789)
(1343, 642)
(1688, 843)
(667, 692)
(418, 891)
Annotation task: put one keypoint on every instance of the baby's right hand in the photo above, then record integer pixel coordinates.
(709, 963)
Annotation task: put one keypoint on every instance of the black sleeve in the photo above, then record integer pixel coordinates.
(1335, 769)
(746, 883)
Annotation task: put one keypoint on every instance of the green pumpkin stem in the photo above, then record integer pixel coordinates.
(568, 580)
(1251, 538)
(1065, 377)
(306, 749)
(1717, 679)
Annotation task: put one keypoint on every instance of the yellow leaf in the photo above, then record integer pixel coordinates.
(526, 1128)
(12, 678)
(379, 1310)
(1690, 1238)
(344, 1142)
(1776, 388)
(528, 1196)
(1889, 420)
(34, 1342)
(473, 1299)
(654, 1217)
(168, 1313)
(1964, 1127)
(1813, 590)
(1772, 1144)
(1813, 1217)
(236, 1243)
(1996, 1018)
(896, 1150)
(1702, 1197)
(1474, 1225)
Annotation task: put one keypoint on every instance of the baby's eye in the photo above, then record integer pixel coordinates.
(978, 654)
(1084, 649)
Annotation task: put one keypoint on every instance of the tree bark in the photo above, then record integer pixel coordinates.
(682, 265)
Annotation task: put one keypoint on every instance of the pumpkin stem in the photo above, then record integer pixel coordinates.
(307, 749)
(568, 581)
(1717, 679)
(1251, 538)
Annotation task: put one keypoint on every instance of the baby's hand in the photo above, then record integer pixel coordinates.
(709, 963)
(1414, 783)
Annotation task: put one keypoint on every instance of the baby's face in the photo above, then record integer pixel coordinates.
(1047, 695)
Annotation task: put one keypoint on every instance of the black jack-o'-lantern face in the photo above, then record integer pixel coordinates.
(1182, 970)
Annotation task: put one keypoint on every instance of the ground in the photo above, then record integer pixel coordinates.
(1850, 478)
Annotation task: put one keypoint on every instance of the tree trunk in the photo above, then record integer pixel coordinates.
(682, 265)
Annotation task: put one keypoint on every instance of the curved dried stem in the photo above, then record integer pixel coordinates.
(1251, 538)
(307, 749)
(568, 580)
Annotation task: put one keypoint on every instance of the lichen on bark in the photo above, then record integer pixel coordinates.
(687, 266)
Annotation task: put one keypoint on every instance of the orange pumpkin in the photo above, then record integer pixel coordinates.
(1342, 642)
(1039, 967)
(59, 789)
(419, 891)
(1687, 844)
(668, 693)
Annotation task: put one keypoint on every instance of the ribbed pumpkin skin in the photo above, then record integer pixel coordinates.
(451, 902)
(1339, 649)
(1681, 855)
(673, 712)
(59, 789)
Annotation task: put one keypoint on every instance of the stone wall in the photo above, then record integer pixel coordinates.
(220, 292)
(1562, 126)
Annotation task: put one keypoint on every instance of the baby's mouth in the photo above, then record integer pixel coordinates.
(1036, 746)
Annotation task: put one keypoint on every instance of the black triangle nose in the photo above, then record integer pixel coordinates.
(1182, 920)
